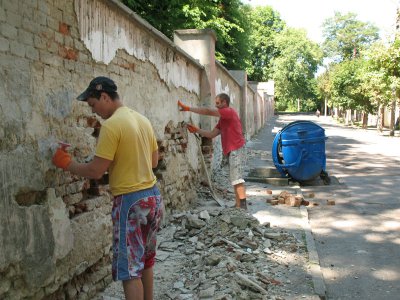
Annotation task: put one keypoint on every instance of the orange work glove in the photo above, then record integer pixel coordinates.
(61, 159)
(192, 128)
(183, 107)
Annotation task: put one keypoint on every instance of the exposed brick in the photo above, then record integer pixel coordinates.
(26, 12)
(72, 198)
(17, 49)
(128, 66)
(52, 46)
(4, 45)
(9, 31)
(69, 65)
(39, 42)
(40, 18)
(44, 7)
(25, 37)
(63, 28)
(52, 23)
(30, 26)
(50, 59)
(68, 53)
(32, 53)
(69, 42)
(59, 38)
(206, 150)
(2, 13)
(46, 33)
(11, 6)
(14, 19)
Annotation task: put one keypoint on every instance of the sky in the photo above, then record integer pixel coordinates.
(310, 14)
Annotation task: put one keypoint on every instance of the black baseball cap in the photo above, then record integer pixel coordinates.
(99, 84)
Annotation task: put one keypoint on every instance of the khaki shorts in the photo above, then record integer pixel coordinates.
(237, 162)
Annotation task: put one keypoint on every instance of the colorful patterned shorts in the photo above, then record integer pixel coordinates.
(237, 162)
(136, 219)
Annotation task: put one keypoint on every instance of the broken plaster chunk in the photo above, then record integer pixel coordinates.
(267, 243)
(179, 285)
(193, 239)
(244, 280)
(226, 219)
(195, 222)
(250, 234)
(273, 235)
(204, 215)
(267, 250)
(239, 222)
(207, 293)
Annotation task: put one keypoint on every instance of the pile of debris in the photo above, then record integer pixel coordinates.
(288, 199)
(224, 254)
(293, 200)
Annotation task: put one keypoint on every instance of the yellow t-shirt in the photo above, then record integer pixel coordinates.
(127, 138)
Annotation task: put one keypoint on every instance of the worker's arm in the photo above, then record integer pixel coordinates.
(199, 110)
(154, 159)
(209, 134)
(94, 169)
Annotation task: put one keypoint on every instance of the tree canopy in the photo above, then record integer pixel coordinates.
(266, 24)
(360, 72)
(345, 36)
(228, 18)
(294, 66)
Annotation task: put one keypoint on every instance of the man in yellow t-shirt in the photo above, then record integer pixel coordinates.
(127, 148)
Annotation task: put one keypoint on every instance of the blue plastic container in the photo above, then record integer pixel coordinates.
(298, 151)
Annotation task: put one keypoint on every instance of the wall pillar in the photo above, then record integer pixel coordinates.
(200, 44)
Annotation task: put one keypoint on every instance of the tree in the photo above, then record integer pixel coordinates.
(293, 68)
(385, 76)
(345, 37)
(266, 24)
(228, 18)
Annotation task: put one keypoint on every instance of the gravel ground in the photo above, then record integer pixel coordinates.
(184, 271)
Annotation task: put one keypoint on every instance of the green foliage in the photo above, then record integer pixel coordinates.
(266, 24)
(294, 67)
(345, 37)
(228, 18)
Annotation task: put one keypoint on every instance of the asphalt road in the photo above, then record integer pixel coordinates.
(358, 239)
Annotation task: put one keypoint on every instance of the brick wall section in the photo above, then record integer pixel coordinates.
(55, 228)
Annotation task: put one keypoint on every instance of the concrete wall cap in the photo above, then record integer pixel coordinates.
(197, 32)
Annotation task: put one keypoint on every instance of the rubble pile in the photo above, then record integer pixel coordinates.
(226, 254)
(288, 199)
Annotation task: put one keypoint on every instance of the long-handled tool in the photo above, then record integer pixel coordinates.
(203, 163)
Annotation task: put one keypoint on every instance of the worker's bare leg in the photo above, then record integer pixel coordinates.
(140, 288)
(147, 280)
(240, 193)
(133, 289)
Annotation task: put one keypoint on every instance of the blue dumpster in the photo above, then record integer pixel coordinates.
(298, 151)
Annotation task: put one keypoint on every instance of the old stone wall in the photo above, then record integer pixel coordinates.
(55, 228)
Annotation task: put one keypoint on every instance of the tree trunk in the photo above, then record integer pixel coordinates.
(381, 121)
(364, 120)
(392, 117)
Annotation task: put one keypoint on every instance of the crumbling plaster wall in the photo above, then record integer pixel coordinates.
(55, 232)
(250, 112)
(55, 228)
